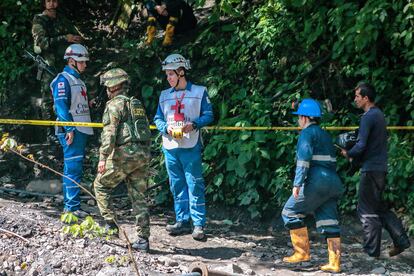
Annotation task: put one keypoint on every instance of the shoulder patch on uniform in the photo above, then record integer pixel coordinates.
(61, 85)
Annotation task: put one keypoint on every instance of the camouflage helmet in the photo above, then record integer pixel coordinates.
(114, 77)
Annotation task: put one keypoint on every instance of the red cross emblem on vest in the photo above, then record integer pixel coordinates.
(178, 116)
(83, 93)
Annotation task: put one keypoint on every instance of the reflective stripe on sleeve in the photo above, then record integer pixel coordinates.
(301, 163)
(323, 158)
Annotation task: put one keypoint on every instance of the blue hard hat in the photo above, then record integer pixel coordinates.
(310, 108)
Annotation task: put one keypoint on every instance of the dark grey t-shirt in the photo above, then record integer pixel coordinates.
(371, 147)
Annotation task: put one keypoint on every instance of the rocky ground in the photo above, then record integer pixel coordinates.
(235, 245)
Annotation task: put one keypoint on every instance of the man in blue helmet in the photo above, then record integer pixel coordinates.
(183, 110)
(71, 105)
(316, 189)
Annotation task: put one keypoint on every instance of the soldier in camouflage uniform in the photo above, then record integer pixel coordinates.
(52, 34)
(124, 154)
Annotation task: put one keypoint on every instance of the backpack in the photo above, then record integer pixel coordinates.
(138, 120)
(137, 124)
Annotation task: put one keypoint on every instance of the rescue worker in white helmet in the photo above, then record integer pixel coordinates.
(316, 189)
(183, 110)
(71, 105)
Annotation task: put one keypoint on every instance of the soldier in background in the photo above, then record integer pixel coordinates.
(52, 34)
(124, 154)
(174, 16)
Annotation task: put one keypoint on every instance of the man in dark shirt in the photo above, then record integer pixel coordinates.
(371, 150)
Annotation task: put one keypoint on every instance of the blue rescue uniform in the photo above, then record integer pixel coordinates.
(71, 105)
(183, 156)
(321, 186)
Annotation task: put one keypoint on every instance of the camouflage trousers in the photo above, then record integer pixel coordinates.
(134, 173)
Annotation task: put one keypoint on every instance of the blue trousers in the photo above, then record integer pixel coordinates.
(73, 168)
(187, 184)
(319, 195)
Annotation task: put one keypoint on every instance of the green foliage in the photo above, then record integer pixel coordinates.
(256, 57)
(261, 58)
(87, 228)
(14, 37)
(117, 260)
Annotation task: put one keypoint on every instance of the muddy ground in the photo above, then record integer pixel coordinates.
(235, 245)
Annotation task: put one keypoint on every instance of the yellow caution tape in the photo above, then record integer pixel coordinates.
(100, 125)
(48, 123)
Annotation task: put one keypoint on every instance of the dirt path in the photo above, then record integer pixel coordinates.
(233, 246)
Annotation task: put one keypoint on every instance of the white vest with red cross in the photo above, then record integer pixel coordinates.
(79, 106)
(179, 108)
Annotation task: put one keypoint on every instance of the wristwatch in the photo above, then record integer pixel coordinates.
(194, 125)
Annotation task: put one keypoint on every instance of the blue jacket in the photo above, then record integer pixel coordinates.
(62, 97)
(315, 153)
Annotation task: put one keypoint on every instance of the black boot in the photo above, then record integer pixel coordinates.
(400, 245)
(179, 228)
(396, 230)
(141, 244)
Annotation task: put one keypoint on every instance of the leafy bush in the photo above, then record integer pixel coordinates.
(256, 57)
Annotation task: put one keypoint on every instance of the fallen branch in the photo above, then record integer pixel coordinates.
(14, 234)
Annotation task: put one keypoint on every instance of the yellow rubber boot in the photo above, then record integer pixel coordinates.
(150, 30)
(334, 251)
(169, 31)
(300, 242)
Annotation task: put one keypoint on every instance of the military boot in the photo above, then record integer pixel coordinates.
(169, 31)
(151, 29)
(334, 253)
(179, 228)
(141, 244)
(300, 242)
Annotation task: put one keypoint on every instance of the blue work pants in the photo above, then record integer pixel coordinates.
(187, 184)
(73, 168)
(319, 195)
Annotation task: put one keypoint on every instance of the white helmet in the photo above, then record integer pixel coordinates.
(76, 51)
(175, 61)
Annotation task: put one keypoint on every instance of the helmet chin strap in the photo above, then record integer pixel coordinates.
(179, 77)
(76, 67)
(123, 86)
